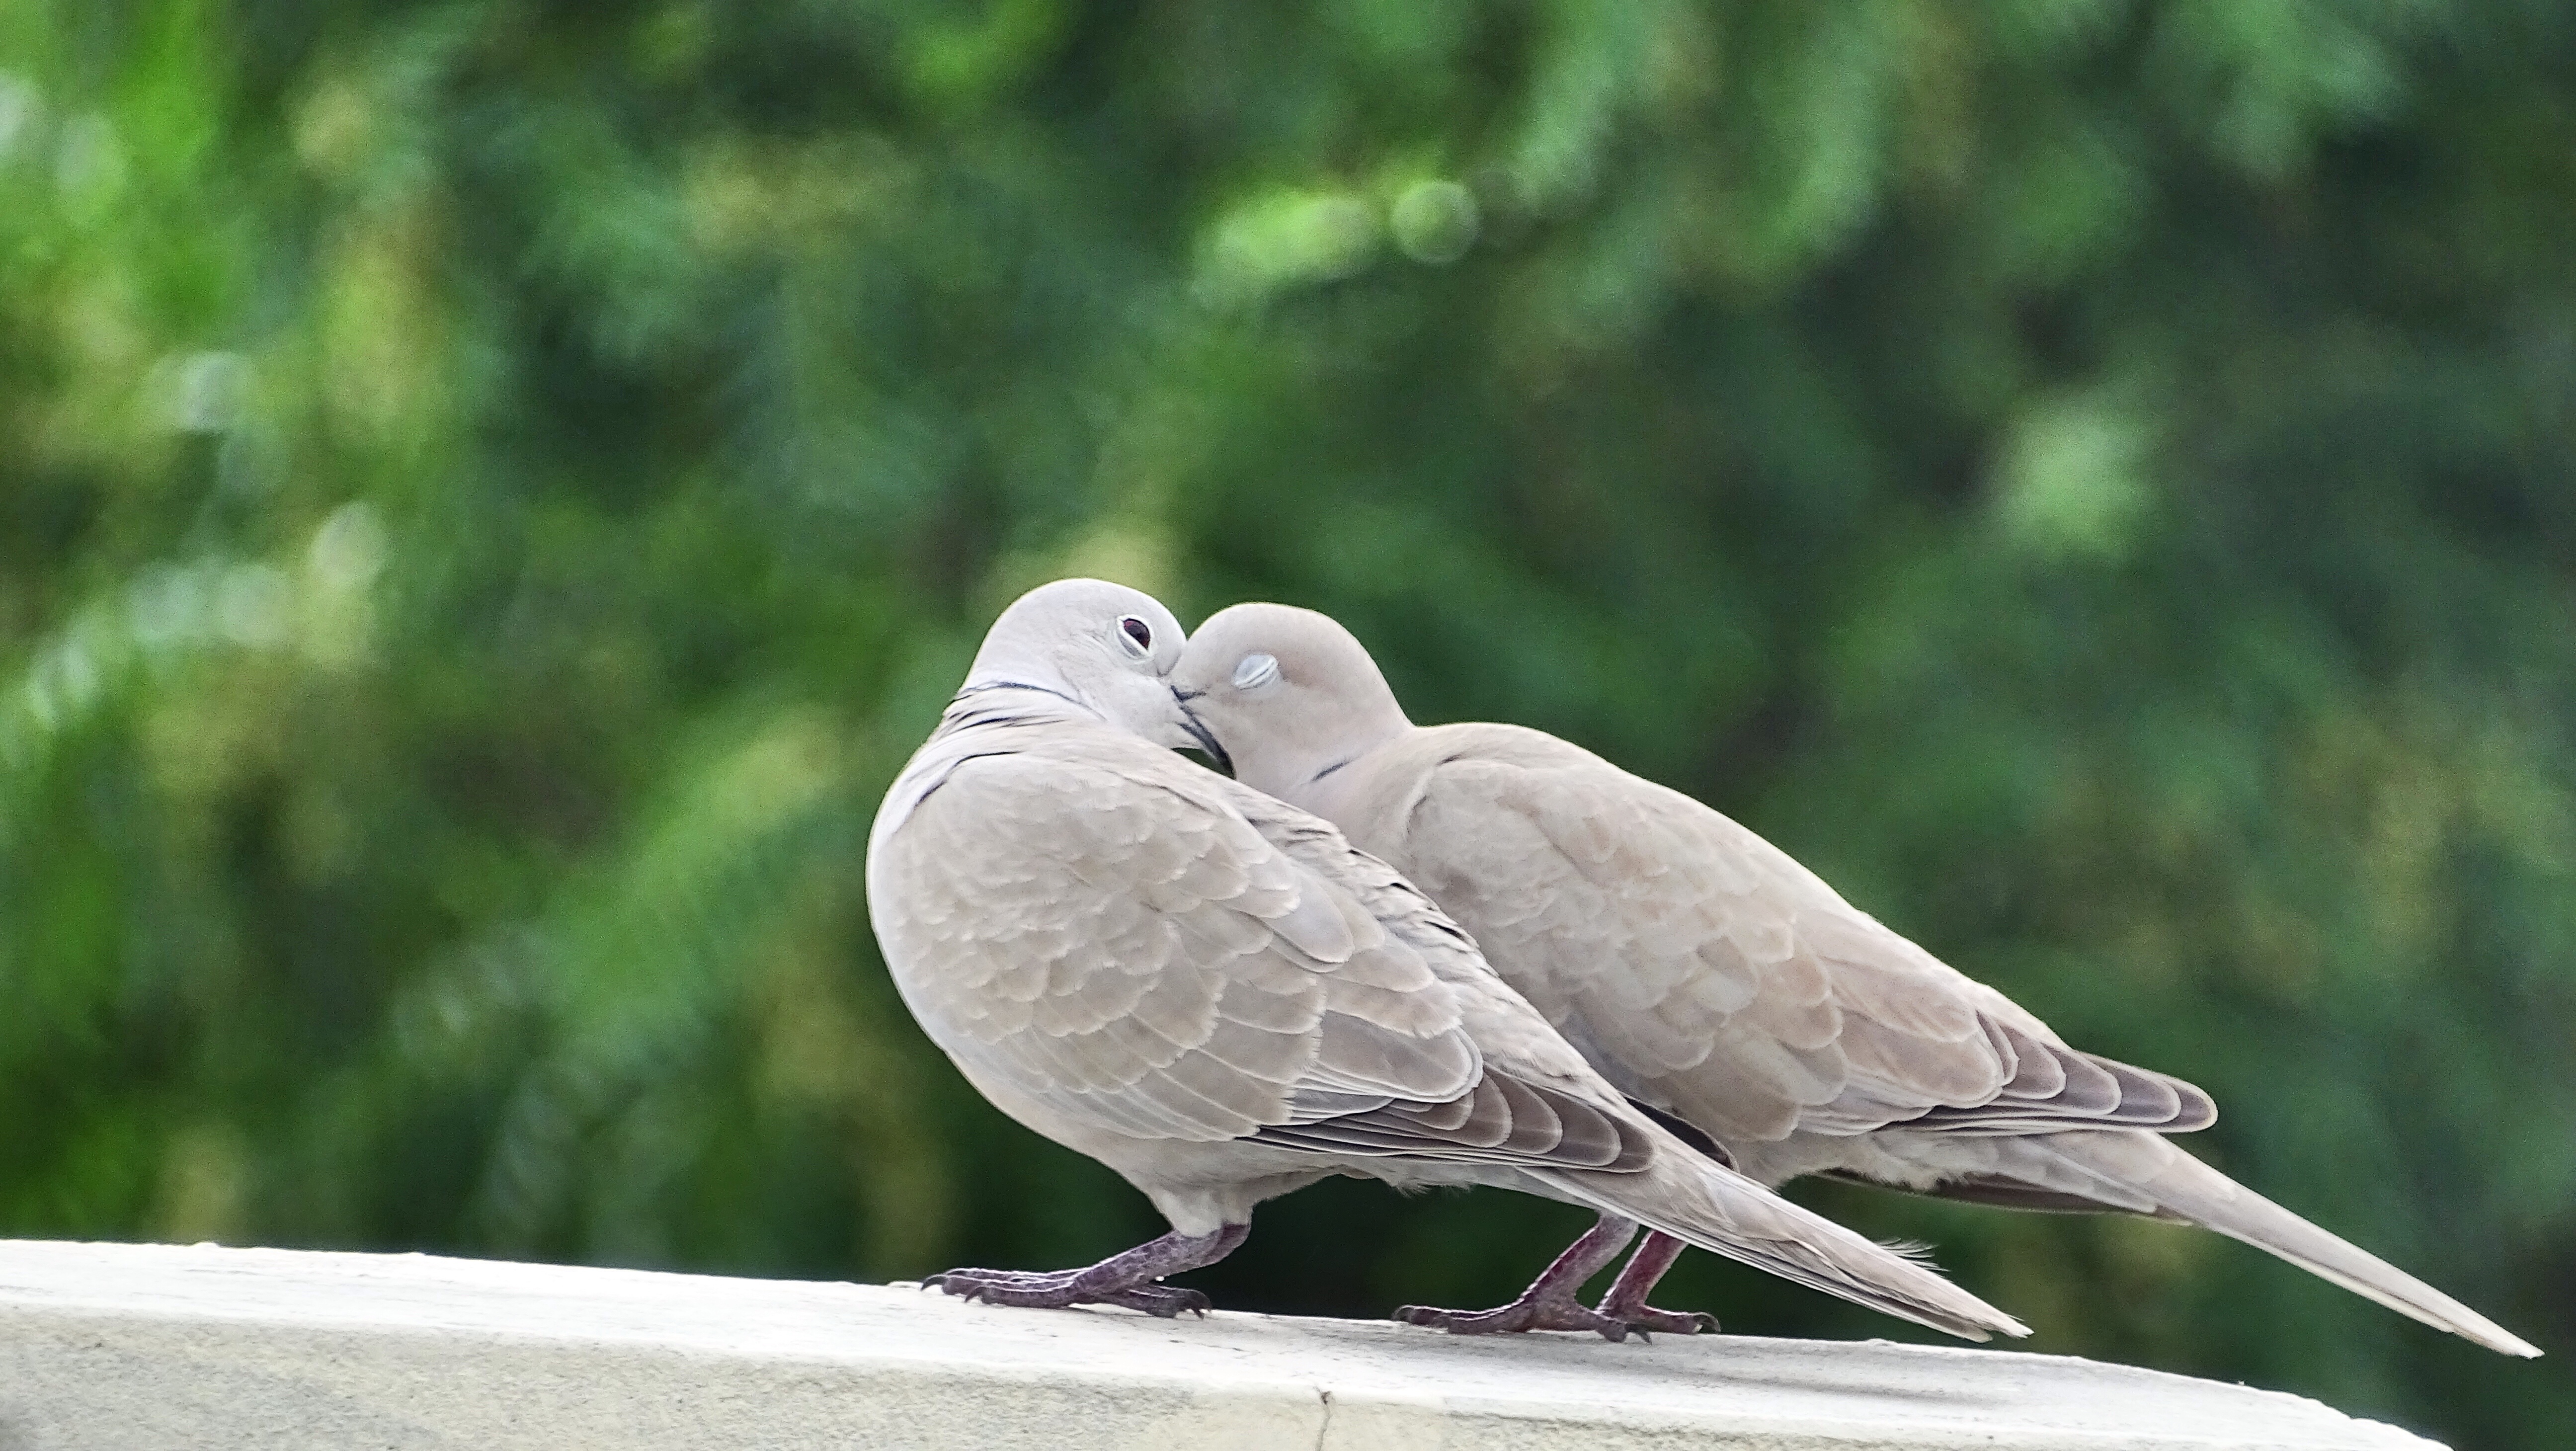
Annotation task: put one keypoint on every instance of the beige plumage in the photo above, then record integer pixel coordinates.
(1709, 976)
(1214, 994)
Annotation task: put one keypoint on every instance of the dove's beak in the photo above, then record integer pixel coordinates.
(1199, 732)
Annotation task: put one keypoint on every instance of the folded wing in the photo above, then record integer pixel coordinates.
(1708, 974)
(1116, 938)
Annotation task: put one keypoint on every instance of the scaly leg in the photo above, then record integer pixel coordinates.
(1626, 1302)
(1549, 1303)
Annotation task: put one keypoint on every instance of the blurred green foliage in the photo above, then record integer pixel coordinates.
(490, 491)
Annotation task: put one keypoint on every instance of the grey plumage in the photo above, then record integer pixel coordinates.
(1213, 993)
(1707, 975)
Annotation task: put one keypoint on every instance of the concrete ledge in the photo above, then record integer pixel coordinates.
(139, 1347)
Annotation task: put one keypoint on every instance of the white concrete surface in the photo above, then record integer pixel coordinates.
(143, 1347)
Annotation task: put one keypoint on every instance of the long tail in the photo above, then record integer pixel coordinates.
(1702, 1202)
(2158, 1177)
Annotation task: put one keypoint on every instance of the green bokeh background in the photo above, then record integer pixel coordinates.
(491, 490)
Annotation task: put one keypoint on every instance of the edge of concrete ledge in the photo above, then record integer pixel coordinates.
(145, 1346)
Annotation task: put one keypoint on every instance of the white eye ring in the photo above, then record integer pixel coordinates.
(1134, 636)
(1255, 671)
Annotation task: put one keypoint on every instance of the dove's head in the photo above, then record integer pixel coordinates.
(1102, 646)
(1287, 693)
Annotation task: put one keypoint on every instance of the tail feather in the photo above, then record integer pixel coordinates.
(1701, 1202)
(2184, 1188)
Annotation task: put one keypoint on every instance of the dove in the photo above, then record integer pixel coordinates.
(1211, 992)
(1719, 984)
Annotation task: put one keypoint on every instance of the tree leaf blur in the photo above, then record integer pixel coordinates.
(491, 490)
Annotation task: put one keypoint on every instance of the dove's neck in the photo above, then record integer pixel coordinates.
(1311, 774)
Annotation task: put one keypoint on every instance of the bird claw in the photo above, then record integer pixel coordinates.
(1035, 1289)
(1526, 1313)
(1044, 1290)
(1644, 1318)
(1164, 1302)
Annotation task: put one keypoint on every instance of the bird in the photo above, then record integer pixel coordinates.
(1215, 995)
(1720, 985)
